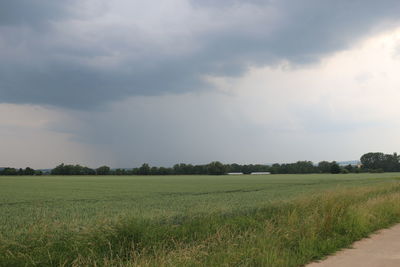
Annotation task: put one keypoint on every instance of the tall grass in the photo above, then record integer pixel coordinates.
(288, 233)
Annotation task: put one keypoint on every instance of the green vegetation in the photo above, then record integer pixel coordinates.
(379, 162)
(212, 168)
(271, 220)
(374, 162)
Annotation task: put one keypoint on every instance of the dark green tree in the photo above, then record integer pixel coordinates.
(72, 170)
(380, 161)
(29, 171)
(154, 171)
(144, 169)
(216, 168)
(324, 167)
(349, 168)
(9, 171)
(335, 168)
(373, 160)
(120, 171)
(103, 170)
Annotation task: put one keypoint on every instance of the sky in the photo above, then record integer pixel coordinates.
(125, 82)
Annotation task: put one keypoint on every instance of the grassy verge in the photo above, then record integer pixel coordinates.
(282, 234)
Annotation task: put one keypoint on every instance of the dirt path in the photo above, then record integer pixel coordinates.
(380, 250)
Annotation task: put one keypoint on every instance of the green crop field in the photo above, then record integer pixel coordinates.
(189, 220)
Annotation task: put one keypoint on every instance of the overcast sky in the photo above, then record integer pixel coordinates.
(125, 82)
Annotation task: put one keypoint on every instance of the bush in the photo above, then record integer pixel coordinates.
(345, 171)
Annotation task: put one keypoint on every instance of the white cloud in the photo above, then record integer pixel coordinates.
(359, 85)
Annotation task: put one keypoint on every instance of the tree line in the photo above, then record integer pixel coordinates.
(14, 171)
(370, 162)
(213, 168)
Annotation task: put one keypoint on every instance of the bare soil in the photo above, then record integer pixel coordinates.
(381, 249)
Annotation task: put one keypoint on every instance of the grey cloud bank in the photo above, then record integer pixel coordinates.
(32, 12)
(125, 82)
(85, 54)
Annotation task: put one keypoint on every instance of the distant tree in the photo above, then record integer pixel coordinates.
(29, 171)
(103, 170)
(129, 172)
(391, 163)
(120, 172)
(164, 171)
(303, 167)
(200, 169)
(144, 169)
(324, 167)
(235, 168)
(9, 171)
(135, 171)
(183, 168)
(275, 168)
(379, 160)
(58, 170)
(246, 169)
(349, 168)
(216, 168)
(87, 171)
(373, 160)
(335, 168)
(72, 170)
(154, 171)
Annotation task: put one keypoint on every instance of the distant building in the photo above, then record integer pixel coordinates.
(350, 162)
(235, 173)
(260, 173)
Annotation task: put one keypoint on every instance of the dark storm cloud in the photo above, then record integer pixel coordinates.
(73, 59)
(32, 12)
